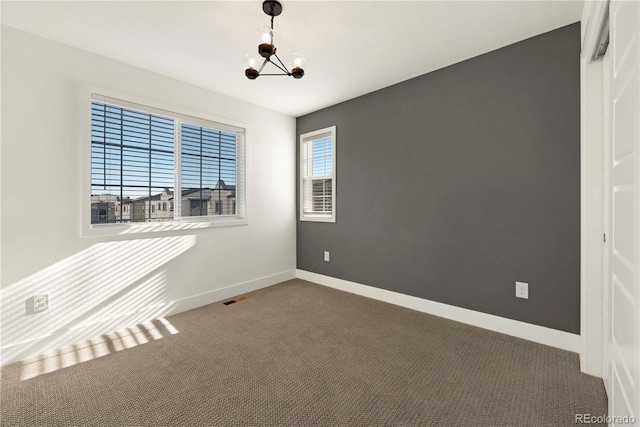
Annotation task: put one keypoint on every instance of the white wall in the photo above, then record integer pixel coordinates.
(100, 284)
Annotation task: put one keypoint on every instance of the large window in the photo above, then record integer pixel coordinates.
(143, 159)
(318, 175)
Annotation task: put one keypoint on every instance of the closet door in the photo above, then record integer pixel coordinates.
(623, 285)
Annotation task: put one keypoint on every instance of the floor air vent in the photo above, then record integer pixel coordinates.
(235, 300)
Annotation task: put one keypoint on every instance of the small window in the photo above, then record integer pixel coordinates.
(318, 175)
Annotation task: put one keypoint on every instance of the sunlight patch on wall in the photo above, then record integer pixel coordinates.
(103, 288)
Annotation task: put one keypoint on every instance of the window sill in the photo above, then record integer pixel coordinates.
(155, 227)
(318, 218)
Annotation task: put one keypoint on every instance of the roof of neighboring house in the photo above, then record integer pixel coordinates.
(220, 185)
(111, 198)
(146, 198)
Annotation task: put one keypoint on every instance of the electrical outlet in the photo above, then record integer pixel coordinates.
(40, 303)
(326, 256)
(522, 290)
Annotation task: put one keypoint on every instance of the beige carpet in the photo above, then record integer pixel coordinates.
(299, 354)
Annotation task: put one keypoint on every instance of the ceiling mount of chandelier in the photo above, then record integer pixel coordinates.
(267, 50)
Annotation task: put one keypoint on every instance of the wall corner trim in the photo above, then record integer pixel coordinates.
(540, 334)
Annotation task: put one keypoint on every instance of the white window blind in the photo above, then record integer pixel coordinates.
(143, 157)
(318, 179)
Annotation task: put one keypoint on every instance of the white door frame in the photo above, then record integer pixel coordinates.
(591, 190)
(606, 272)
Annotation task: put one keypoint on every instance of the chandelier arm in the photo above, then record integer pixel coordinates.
(263, 64)
(283, 68)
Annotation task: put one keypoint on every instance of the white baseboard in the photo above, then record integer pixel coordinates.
(231, 291)
(527, 331)
(15, 352)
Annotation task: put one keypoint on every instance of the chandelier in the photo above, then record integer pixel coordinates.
(267, 50)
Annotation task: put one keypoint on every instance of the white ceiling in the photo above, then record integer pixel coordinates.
(351, 47)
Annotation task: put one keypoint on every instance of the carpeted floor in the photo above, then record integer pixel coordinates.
(300, 354)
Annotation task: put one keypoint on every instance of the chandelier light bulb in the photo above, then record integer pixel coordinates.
(250, 67)
(297, 66)
(297, 61)
(265, 35)
(250, 62)
(266, 47)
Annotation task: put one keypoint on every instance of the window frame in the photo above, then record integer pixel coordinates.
(183, 115)
(304, 139)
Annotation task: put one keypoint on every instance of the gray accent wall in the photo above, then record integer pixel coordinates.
(456, 184)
